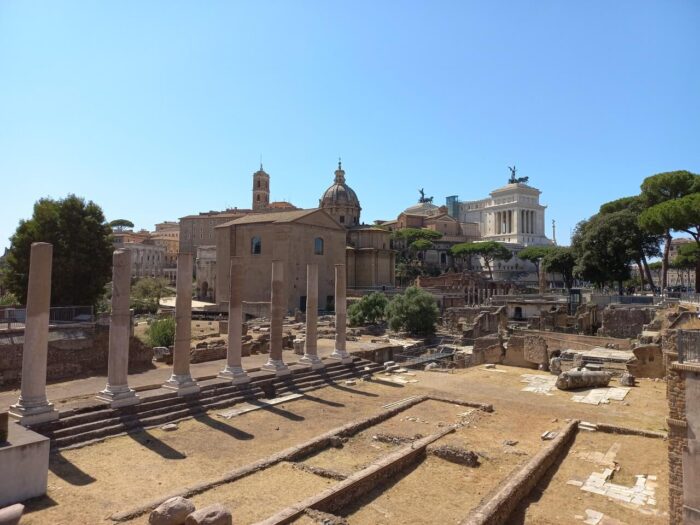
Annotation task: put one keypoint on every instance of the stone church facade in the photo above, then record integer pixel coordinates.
(328, 235)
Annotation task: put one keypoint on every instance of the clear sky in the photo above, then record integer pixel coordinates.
(159, 109)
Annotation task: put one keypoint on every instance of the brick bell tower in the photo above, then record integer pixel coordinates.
(261, 189)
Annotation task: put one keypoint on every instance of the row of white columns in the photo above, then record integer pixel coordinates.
(527, 221)
(33, 406)
(507, 221)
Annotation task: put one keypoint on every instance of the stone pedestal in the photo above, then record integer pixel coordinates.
(32, 406)
(311, 343)
(117, 392)
(340, 351)
(277, 308)
(234, 369)
(24, 463)
(181, 380)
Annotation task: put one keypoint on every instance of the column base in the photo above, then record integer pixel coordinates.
(33, 414)
(313, 360)
(184, 385)
(342, 356)
(277, 366)
(118, 397)
(235, 374)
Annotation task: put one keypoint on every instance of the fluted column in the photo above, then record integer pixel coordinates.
(340, 351)
(117, 392)
(234, 366)
(277, 308)
(181, 380)
(311, 343)
(32, 406)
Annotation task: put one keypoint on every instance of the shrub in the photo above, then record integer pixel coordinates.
(414, 311)
(162, 332)
(368, 310)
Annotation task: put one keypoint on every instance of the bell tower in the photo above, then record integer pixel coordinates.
(261, 189)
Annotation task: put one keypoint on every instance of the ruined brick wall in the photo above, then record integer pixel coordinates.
(73, 352)
(677, 442)
(625, 321)
(535, 350)
(562, 341)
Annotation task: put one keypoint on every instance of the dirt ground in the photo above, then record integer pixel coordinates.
(89, 484)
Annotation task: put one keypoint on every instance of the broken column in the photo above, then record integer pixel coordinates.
(181, 381)
(340, 351)
(234, 369)
(311, 346)
(582, 379)
(117, 392)
(32, 406)
(277, 308)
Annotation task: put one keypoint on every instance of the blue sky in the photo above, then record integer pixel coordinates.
(155, 110)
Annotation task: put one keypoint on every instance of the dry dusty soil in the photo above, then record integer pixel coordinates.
(89, 484)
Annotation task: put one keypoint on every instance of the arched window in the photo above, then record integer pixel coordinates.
(258, 183)
(318, 246)
(258, 197)
(443, 258)
(255, 245)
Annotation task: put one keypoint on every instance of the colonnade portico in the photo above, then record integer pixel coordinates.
(515, 221)
(33, 407)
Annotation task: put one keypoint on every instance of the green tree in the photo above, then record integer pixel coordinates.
(368, 310)
(147, 292)
(660, 215)
(489, 251)
(82, 250)
(161, 332)
(682, 214)
(414, 311)
(8, 299)
(120, 225)
(648, 242)
(689, 258)
(560, 259)
(604, 246)
(535, 254)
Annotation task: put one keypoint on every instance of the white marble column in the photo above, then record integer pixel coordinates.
(117, 392)
(181, 380)
(340, 351)
(32, 406)
(275, 363)
(234, 369)
(311, 343)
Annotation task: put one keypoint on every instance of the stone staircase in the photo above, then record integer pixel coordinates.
(96, 422)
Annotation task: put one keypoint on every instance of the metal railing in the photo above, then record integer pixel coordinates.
(690, 298)
(16, 317)
(688, 345)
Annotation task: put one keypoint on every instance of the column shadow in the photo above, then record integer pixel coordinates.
(276, 410)
(335, 385)
(234, 432)
(68, 471)
(144, 438)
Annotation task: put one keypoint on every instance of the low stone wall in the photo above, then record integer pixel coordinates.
(562, 341)
(73, 351)
(515, 353)
(621, 321)
(497, 507)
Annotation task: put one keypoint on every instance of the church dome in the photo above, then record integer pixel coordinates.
(339, 194)
(340, 201)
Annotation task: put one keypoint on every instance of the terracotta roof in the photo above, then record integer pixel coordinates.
(279, 216)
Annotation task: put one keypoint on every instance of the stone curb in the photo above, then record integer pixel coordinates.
(340, 494)
(290, 454)
(500, 503)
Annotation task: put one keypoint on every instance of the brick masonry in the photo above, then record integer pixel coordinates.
(74, 351)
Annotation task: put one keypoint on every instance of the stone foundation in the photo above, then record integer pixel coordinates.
(73, 351)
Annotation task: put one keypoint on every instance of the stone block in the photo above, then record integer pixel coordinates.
(212, 515)
(171, 512)
(24, 465)
(535, 350)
